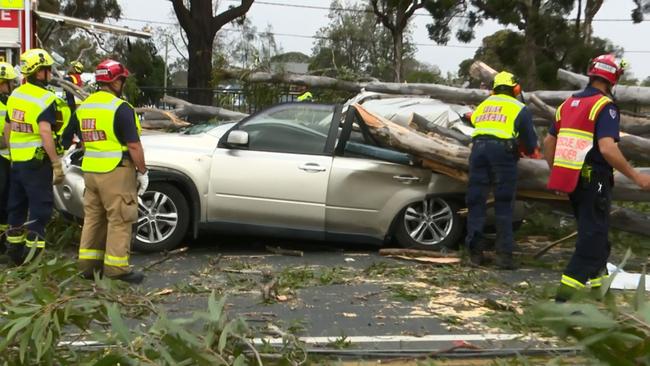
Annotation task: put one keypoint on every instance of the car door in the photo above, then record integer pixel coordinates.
(279, 178)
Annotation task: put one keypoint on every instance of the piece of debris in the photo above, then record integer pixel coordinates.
(282, 251)
(166, 257)
(502, 306)
(551, 245)
(350, 315)
(430, 260)
(165, 291)
(415, 253)
(350, 260)
(626, 280)
(282, 298)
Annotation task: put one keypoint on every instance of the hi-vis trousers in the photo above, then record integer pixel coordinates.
(110, 209)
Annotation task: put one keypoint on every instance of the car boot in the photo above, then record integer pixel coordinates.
(132, 277)
(505, 261)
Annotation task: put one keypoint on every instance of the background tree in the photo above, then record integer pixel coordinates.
(353, 44)
(201, 24)
(70, 42)
(147, 69)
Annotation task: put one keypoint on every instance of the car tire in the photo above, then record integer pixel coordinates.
(438, 215)
(157, 208)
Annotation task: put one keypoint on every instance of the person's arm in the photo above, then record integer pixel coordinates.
(7, 131)
(526, 129)
(45, 130)
(70, 130)
(137, 155)
(614, 156)
(549, 149)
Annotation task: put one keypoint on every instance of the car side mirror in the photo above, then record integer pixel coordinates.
(237, 138)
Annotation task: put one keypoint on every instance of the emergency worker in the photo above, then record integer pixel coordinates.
(7, 78)
(305, 96)
(581, 150)
(114, 174)
(35, 117)
(498, 121)
(74, 74)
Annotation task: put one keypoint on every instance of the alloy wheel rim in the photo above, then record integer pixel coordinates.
(429, 221)
(157, 218)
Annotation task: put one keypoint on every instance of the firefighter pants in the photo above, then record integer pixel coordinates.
(110, 209)
(591, 203)
(492, 163)
(30, 191)
(5, 170)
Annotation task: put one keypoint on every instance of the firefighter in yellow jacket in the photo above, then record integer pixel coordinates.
(35, 116)
(114, 174)
(7, 77)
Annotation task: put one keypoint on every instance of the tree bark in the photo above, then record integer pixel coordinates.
(398, 44)
(201, 27)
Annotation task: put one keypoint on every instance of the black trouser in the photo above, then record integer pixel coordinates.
(5, 170)
(591, 203)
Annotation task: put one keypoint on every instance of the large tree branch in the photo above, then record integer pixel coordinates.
(183, 15)
(382, 16)
(230, 15)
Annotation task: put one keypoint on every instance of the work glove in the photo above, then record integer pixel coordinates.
(143, 182)
(57, 172)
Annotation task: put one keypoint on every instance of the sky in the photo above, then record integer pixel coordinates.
(290, 22)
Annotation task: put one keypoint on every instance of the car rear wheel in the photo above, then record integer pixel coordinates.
(163, 218)
(430, 224)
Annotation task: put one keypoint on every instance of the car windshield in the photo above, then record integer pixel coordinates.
(202, 127)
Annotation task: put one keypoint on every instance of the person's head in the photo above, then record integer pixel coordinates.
(76, 67)
(604, 72)
(506, 83)
(111, 76)
(7, 77)
(36, 65)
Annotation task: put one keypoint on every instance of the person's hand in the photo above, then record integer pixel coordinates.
(143, 182)
(57, 172)
(643, 181)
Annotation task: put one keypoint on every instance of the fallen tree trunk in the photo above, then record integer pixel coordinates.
(186, 109)
(452, 159)
(624, 93)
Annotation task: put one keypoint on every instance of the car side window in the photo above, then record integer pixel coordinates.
(291, 128)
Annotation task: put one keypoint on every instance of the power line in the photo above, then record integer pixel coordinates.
(316, 7)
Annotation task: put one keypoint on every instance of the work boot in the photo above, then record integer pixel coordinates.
(17, 254)
(476, 258)
(132, 277)
(505, 261)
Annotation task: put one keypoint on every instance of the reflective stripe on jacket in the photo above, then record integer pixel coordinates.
(96, 116)
(576, 122)
(24, 106)
(496, 117)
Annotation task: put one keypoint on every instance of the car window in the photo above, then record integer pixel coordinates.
(292, 128)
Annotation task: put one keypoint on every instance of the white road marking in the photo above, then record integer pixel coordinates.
(401, 338)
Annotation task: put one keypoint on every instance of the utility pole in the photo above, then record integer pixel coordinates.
(165, 72)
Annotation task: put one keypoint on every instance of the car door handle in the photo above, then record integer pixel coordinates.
(408, 179)
(312, 168)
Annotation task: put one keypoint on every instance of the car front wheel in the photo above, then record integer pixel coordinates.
(430, 224)
(163, 218)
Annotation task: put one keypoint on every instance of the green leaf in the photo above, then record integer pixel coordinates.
(223, 338)
(216, 307)
(24, 344)
(240, 360)
(639, 295)
(17, 325)
(608, 280)
(117, 323)
(645, 312)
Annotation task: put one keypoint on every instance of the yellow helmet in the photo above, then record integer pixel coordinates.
(504, 78)
(77, 66)
(7, 71)
(34, 59)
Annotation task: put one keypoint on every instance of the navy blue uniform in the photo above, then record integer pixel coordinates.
(493, 162)
(591, 203)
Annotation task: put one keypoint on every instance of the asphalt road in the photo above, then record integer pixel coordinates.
(346, 295)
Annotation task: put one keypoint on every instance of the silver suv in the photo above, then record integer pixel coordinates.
(294, 170)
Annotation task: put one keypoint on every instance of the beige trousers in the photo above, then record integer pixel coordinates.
(110, 209)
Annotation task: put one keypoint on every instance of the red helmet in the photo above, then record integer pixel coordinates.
(605, 67)
(109, 70)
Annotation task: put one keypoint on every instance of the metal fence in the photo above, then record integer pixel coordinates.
(236, 99)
